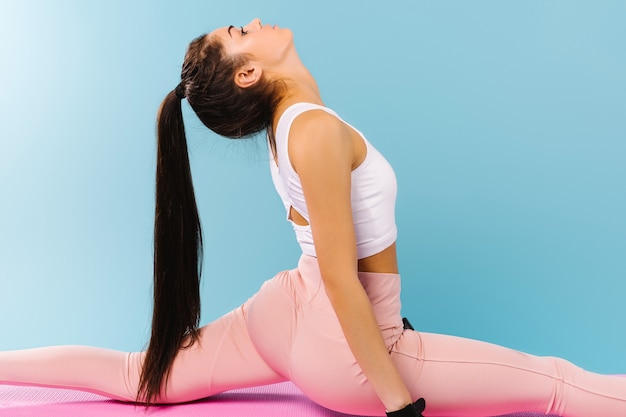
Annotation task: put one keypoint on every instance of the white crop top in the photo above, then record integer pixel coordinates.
(373, 192)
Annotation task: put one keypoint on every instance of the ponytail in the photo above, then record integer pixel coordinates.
(177, 254)
(230, 111)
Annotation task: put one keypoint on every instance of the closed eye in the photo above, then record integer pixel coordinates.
(231, 27)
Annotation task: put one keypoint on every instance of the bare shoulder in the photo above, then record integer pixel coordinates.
(317, 136)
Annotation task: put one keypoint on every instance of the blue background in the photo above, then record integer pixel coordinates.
(505, 122)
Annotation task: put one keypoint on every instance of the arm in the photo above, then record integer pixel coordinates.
(322, 154)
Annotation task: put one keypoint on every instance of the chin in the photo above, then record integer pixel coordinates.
(288, 34)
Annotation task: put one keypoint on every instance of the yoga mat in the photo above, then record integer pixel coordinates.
(278, 400)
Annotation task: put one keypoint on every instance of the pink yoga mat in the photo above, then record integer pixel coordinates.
(279, 400)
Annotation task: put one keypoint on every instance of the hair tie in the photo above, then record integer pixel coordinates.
(180, 91)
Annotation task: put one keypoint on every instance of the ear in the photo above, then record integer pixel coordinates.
(248, 75)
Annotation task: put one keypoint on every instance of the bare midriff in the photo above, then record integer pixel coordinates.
(382, 262)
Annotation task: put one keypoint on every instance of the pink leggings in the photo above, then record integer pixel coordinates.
(288, 331)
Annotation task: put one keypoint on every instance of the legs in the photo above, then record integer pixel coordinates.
(463, 377)
(224, 359)
(289, 331)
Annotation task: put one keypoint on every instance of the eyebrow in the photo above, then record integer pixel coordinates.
(229, 28)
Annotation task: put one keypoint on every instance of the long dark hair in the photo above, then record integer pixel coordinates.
(234, 112)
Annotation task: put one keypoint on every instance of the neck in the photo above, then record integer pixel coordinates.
(300, 86)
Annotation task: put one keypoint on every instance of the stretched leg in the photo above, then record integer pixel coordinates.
(467, 378)
(224, 359)
(84, 368)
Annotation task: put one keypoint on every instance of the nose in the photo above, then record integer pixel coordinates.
(254, 24)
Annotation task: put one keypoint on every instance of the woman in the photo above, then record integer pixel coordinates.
(333, 324)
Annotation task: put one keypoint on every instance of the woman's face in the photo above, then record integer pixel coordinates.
(265, 43)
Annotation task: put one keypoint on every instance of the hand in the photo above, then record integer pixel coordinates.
(411, 410)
